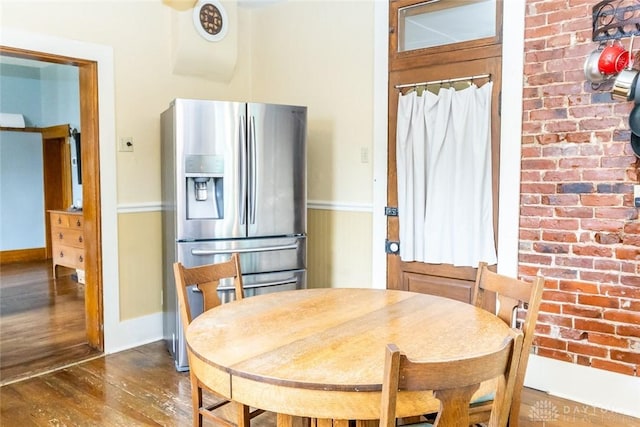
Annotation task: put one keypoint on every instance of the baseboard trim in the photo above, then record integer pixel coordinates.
(22, 255)
(610, 391)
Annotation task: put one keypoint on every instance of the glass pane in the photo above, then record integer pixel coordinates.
(443, 22)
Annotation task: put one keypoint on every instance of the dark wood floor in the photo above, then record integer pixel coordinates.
(42, 329)
(42, 322)
(140, 387)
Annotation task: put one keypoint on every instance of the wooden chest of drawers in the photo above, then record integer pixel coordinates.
(67, 240)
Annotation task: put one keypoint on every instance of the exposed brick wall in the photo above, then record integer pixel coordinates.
(578, 225)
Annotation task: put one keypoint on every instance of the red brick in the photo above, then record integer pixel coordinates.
(626, 356)
(599, 301)
(587, 349)
(608, 340)
(608, 365)
(536, 211)
(561, 125)
(606, 264)
(585, 287)
(582, 311)
(550, 308)
(620, 291)
(628, 330)
(578, 162)
(602, 225)
(600, 199)
(559, 224)
(558, 236)
(600, 276)
(547, 342)
(617, 212)
(603, 174)
(577, 212)
(632, 228)
(596, 251)
(555, 320)
(628, 253)
(622, 317)
(557, 296)
(555, 354)
(573, 334)
(632, 305)
(535, 259)
(537, 188)
(595, 325)
(573, 261)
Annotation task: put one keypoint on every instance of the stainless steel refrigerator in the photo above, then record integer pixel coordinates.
(233, 180)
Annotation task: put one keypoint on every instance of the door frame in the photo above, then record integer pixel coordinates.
(510, 153)
(88, 82)
(436, 63)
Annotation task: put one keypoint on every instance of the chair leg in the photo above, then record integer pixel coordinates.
(196, 401)
(244, 417)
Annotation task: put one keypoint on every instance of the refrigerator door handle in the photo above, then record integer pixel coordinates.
(252, 170)
(204, 252)
(242, 197)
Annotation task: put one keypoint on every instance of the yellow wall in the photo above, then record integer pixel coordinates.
(139, 266)
(320, 54)
(314, 53)
(339, 249)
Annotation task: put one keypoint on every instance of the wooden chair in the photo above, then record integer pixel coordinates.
(453, 383)
(512, 294)
(206, 278)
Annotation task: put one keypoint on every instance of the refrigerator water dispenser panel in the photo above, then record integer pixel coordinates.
(205, 189)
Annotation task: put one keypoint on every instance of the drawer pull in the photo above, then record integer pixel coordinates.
(60, 236)
(59, 220)
(81, 258)
(78, 223)
(80, 239)
(61, 254)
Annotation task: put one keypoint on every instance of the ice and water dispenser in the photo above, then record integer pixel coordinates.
(205, 191)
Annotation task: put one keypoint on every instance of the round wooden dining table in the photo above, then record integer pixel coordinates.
(319, 353)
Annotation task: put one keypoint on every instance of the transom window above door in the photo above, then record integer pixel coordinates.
(443, 22)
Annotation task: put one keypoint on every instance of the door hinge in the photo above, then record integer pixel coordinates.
(392, 247)
(391, 211)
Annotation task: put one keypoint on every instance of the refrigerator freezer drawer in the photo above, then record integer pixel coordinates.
(256, 255)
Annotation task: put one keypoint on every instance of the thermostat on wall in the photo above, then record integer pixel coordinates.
(210, 20)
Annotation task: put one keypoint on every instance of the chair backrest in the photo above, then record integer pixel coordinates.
(206, 278)
(452, 382)
(512, 294)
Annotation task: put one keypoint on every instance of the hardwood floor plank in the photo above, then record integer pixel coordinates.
(42, 320)
(140, 387)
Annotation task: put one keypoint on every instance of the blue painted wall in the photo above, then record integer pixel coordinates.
(45, 96)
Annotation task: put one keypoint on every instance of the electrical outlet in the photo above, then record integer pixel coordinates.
(125, 143)
(636, 195)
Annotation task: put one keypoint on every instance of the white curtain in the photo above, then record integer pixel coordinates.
(443, 162)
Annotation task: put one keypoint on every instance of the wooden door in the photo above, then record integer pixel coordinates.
(56, 174)
(459, 60)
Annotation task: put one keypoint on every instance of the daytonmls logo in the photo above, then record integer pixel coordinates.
(543, 410)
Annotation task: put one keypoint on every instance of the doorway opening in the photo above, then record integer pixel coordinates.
(92, 310)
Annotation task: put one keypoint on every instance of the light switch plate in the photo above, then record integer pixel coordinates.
(636, 195)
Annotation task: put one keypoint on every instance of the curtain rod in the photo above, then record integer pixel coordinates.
(445, 81)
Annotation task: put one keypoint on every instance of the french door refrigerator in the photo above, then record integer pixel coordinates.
(233, 180)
